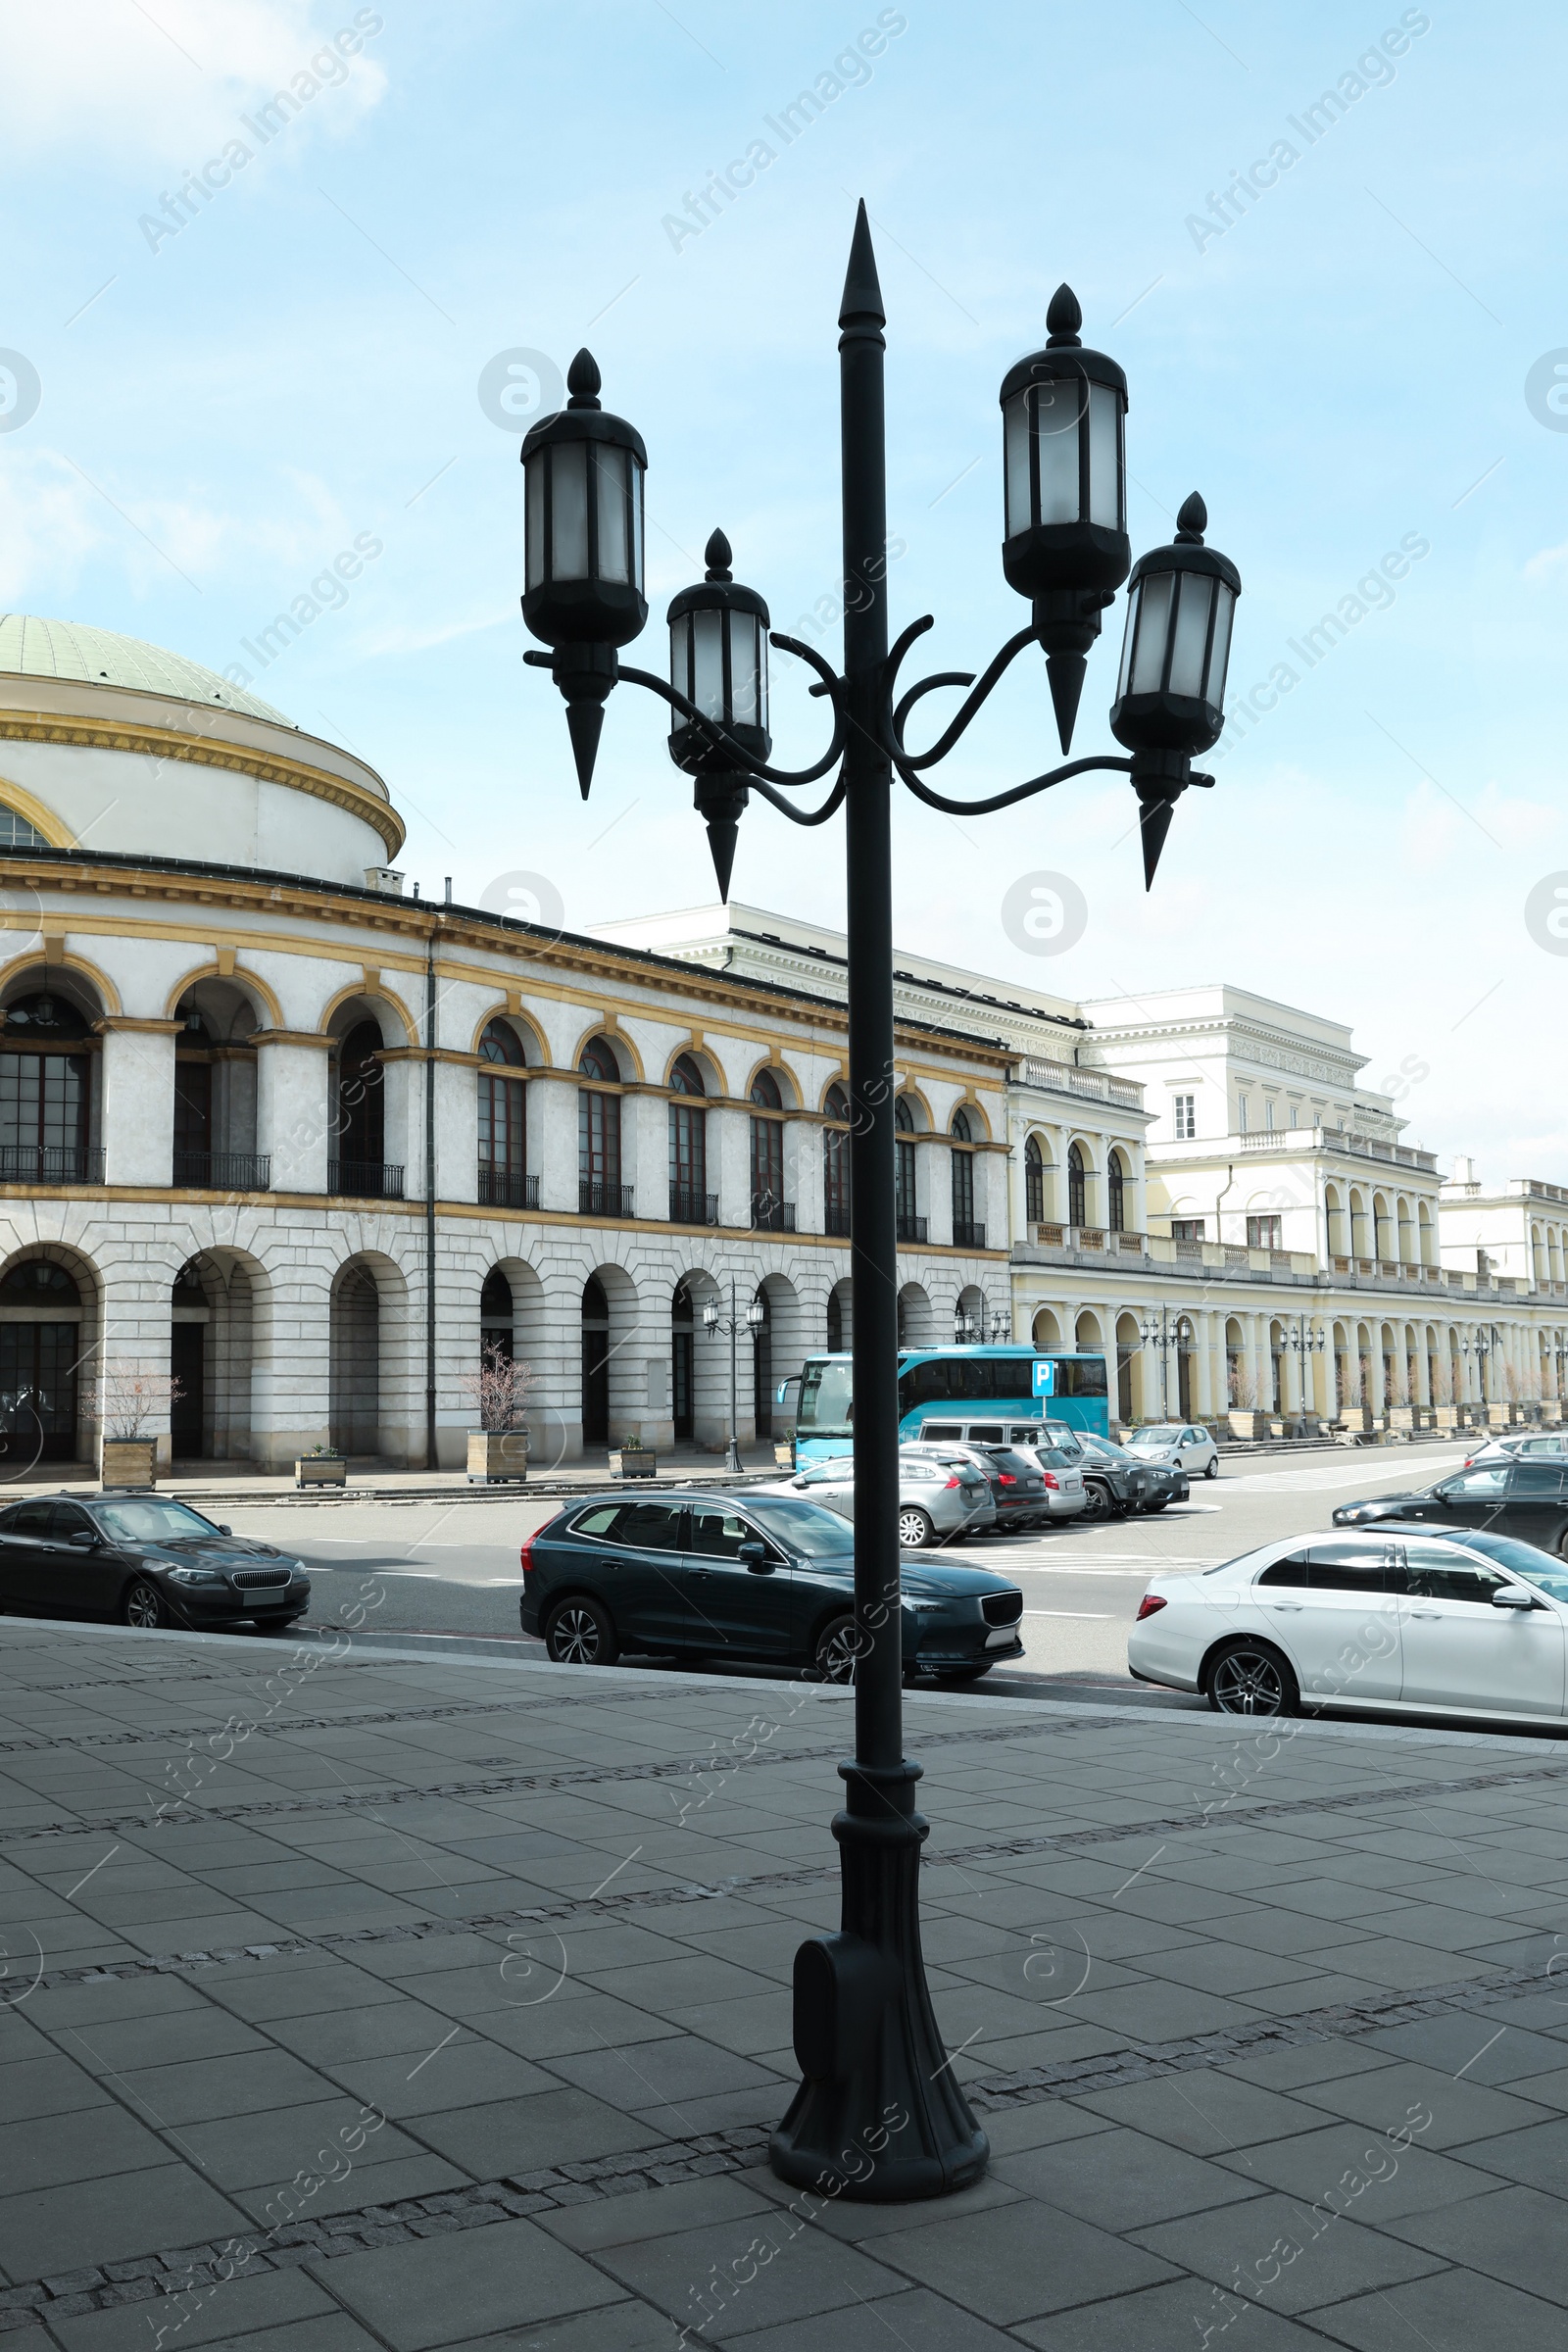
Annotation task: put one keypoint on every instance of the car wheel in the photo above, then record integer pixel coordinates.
(579, 1633)
(144, 1605)
(1213, 1467)
(1096, 1500)
(837, 1647)
(963, 1674)
(1249, 1678)
(915, 1529)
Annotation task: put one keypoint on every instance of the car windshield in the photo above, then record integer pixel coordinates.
(1156, 1436)
(1103, 1445)
(803, 1525)
(1539, 1567)
(153, 1521)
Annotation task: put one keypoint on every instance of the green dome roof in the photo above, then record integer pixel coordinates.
(67, 649)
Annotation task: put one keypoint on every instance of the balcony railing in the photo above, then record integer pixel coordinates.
(910, 1229)
(968, 1237)
(1096, 1086)
(506, 1188)
(50, 1163)
(690, 1206)
(770, 1215)
(598, 1199)
(836, 1218)
(224, 1171)
(365, 1179)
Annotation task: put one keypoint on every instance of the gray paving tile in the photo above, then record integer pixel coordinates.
(84, 2144)
(915, 2321)
(1201, 2110)
(1297, 2259)
(1472, 2043)
(1327, 2164)
(431, 2079)
(1456, 2310)
(199, 2088)
(748, 2275)
(641, 2075)
(420, 2175)
(47, 2084)
(49, 2229)
(1538, 2156)
(475, 2283)
(519, 2135)
(217, 2315)
(1015, 2262)
(654, 2212)
(1460, 2110)
(245, 2151)
(1119, 2180)
(1516, 2234)
(1173, 2319)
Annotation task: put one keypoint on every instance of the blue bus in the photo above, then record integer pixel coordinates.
(946, 1392)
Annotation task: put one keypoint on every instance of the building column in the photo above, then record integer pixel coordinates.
(293, 1121)
(553, 1137)
(803, 1173)
(138, 1114)
(137, 1284)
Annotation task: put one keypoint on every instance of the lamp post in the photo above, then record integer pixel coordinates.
(733, 1324)
(1159, 1334)
(875, 2077)
(1480, 1343)
(1306, 1345)
(970, 1329)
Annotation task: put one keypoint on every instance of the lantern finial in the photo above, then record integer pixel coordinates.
(1064, 675)
(582, 382)
(1192, 521)
(863, 290)
(584, 722)
(718, 555)
(1063, 318)
(1156, 807)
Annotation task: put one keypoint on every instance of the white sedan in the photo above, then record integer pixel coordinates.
(1401, 1620)
(1177, 1445)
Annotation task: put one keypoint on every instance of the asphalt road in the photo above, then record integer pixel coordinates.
(445, 1578)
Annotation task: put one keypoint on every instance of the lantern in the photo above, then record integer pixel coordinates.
(719, 661)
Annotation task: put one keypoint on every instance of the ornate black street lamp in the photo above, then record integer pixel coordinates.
(879, 2113)
(731, 1326)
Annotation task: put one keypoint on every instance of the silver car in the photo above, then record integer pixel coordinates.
(938, 1497)
(1552, 1445)
(1061, 1468)
(1177, 1445)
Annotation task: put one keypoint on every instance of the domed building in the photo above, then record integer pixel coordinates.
(304, 1143)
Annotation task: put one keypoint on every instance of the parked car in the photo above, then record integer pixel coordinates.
(1525, 1498)
(1554, 1444)
(1177, 1445)
(146, 1559)
(1399, 1620)
(938, 1498)
(757, 1579)
(1061, 1476)
(1124, 1481)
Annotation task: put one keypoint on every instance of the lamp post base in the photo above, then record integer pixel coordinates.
(732, 1460)
(879, 2117)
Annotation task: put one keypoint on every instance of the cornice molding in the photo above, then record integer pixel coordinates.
(167, 743)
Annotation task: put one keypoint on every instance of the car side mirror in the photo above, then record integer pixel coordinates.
(1510, 1596)
(801, 1481)
(755, 1559)
(225, 1531)
(80, 1540)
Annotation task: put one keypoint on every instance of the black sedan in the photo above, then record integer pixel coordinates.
(146, 1560)
(1523, 1499)
(765, 1580)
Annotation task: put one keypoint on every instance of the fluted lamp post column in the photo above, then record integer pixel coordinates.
(880, 2113)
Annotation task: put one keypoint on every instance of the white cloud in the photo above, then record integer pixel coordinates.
(164, 81)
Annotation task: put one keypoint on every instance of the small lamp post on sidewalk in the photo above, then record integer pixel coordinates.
(733, 1324)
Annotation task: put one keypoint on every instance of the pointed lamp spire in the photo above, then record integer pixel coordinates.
(723, 835)
(1064, 675)
(862, 291)
(1156, 808)
(584, 720)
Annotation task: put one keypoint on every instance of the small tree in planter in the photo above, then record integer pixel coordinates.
(498, 1392)
(129, 1398)
(631, 1458)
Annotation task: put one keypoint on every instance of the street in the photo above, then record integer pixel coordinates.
(446, 1576)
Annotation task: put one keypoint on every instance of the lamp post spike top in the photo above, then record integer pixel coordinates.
(582, 382)
(1156, 808)
(718, 555)
(584, 720)
(863, 290)
(1063, 318)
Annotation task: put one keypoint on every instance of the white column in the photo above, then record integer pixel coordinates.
(803, 1173)
(645, 1153)
(457, 1126)
(292, 1118)
(553, 1137)
(138, 1104)
(729, 1162)
(935, 1162)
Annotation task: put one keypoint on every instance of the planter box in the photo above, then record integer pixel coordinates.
(784, 1456)
(1449, 1416)
(321, 1470)
(633, 1462)
(496, 1457)
(1499, 1416)
(1405, 1416)
(1245, 1423)
(127, 1461)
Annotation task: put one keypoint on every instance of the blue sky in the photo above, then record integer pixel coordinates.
(1341, 366)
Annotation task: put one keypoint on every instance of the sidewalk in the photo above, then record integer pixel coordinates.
(238, 1482)
(447, 2006)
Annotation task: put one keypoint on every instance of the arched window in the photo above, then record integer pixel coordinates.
(690, 1202)
(600, 1190)
(1077, 1186)
(17, 834)
(41, 1348)
(769, 1210)
(966, 1234)
(357, 1164)
(594, 1363)
(683, 1366)
(496, 1311)
(1116, 1193)
(502, 1148)
(45, 1089)
(839, 1299)
(836, 1161)
(909, 1227)
(1033, 1182)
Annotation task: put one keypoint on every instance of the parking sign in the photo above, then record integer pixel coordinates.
(1045, 1377)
